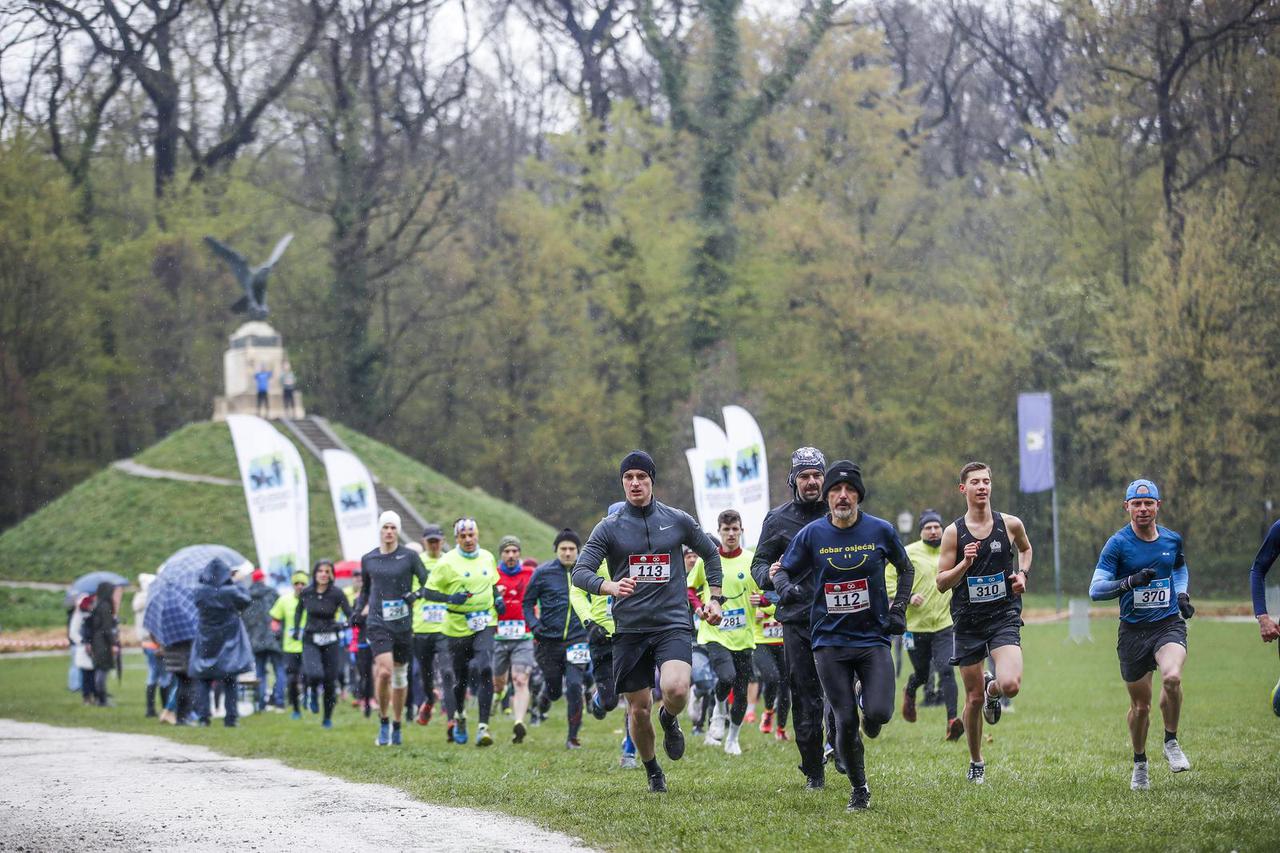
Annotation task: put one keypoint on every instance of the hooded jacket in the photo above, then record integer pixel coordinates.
(548, 590)
(100, 628)
(221, 648)
(780, 526)
(257, 618)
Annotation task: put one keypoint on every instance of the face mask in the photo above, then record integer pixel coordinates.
(933, 543)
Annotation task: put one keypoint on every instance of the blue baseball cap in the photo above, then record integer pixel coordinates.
(1142, 489)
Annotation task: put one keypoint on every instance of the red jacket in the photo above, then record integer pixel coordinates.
(513, 587)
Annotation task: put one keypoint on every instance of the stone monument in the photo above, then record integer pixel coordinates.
(255, 346)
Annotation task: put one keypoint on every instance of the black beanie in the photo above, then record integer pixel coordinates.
(844, 471)
(927, 516)
(567, 535)
(638, 460)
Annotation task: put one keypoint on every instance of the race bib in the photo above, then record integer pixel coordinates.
(847, 597)
(325, 639)
(772, 630)
(477, 621)
(511, 629)
(1153, 596)
(908, 641)
(394, 608)
(579, 654)
(432, 613)
(986, 588)
(608, 606)
(650, 568)
(733, 620)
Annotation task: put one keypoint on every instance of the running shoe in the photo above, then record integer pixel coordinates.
(315, 702)
(596, 709)
(627, 761)
(1139, 781)
(731, 745)
(1275, 699)
(710, 741)
(328, 724)
(572, 743)
(990, 708)
(766, 722)
(395, 736)
(672, 737)
(1177, 760)
(518, 731)
(908, 705)
(814, 783)
(955, 728)
(719, 722)
(296, 715)
(828, 752)
(483, 738)
(448, 731)
(658, 783)
(780, 734)
(424, 714)
(460, 730)
(859, 799)
(384, 735)
(368, 709)
(977, 773)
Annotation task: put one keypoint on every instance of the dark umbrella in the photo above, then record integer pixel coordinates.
(88, 584)
(171, 615)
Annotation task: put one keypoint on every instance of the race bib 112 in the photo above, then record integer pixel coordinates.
(847, 596)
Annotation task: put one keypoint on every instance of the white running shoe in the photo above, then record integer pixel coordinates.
(977, 773)
(1139, 780)
(991, 707)
(710, 740)
(731, 745)
(483, 738)
(719, 720)
(1177, 760)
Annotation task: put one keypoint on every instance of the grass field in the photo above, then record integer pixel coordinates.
(1057, 777)
(30, 608)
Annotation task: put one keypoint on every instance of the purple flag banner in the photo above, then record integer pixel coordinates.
(1035, 442)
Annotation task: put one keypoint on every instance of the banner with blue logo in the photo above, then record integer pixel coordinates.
(1035, 442)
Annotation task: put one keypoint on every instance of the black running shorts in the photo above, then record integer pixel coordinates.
(636, 655)
(381, 641)
(1138, 643)
(973, 646)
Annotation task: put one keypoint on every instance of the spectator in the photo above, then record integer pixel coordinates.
(157, 677)
(100, 635)
(288, 381)
(221, 650)
(263, 380)
(80, 657)
(263, 640)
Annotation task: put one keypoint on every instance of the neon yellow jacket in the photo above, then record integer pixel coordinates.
(935, 613)
(593, 608)
(735, 633)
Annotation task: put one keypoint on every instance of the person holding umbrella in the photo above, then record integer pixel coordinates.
(101, 640)
(221, 650)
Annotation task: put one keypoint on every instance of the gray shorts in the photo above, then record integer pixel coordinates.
(1138, 643)
(512, 654)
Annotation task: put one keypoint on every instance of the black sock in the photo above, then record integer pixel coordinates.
(396, 725)
(384, 720)
(651, 766)
(1168, 735)
(1139, 758)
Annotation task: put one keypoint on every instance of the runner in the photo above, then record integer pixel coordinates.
(770, 663)
(976, 560)
(781, 524)
(852, 616)
(283, 614)
(466, 580)
(1267, 627)
(1144, 566)
(513, 649)
(560, 641)
(730, 644)
(321, 650)
(642, 543)
(386, 596)
(429, 652)
(930, 638)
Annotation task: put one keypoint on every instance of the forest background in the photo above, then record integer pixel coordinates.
(533, 234)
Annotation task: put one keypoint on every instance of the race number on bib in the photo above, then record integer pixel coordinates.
(772, 630)
(477, 621)
(432, 614)
(847, 597)
(650, 568)
(608, 606)
(511, 629)
(733, 620)
(579, 654)
(394, 608)
(986, 588)
(1153, 596)
(326, 638)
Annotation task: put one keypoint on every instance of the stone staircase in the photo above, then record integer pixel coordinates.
(315, 434)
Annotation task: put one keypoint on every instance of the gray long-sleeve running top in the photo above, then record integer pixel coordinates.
(646, 543)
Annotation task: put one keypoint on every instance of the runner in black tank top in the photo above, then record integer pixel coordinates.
(986, 604)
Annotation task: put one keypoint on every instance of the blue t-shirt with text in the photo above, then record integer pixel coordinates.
(1125, 554)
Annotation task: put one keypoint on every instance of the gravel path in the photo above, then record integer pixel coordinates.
(137, 469)
(90, 790)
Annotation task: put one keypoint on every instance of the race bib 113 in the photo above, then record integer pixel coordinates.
(649, 568)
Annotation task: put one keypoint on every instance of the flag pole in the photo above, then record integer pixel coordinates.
(1057, 570)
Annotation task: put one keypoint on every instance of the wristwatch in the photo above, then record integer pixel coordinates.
(719, 599)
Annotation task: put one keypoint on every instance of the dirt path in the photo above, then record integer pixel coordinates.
(140, 792)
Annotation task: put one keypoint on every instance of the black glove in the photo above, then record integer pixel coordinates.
(412, 596)
(459, 598)
(596, 633)
(1184, 606)
(897, 621)
(1139, 578)
(295, 633)
(790, 595)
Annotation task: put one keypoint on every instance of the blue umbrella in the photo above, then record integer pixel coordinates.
(88, 584)
(171, 610)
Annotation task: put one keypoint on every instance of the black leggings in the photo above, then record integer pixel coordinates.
(733, 672)
(771, 668)
(602, 673)
(934, 648)
(806, 697)
(472, 658)
(838, 669)
(560, 678)
(293, 675)
(428, 650)
(321, 666)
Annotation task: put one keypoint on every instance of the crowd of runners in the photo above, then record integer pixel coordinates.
(653, 612)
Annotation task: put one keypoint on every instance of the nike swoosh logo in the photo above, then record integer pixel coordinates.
(668, 527)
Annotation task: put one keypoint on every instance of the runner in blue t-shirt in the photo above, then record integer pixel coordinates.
(850, 614)
(1143, 564)
(1267, 626)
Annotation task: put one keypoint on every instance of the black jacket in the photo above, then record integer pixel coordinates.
(548, 589)
(780, 526)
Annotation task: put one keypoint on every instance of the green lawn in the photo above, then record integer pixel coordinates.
(1058, 768)
(30, 608)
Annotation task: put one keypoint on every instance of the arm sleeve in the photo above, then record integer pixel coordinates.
(770, 549)
(363, 598)
(530, 601)
(344, 605)
(593, 554)
(891, 579)
(702, 545)
(420, 572)
(906, 572)
(795, 564)
(1104, 584)
(1180, 575)
(1262, 564)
